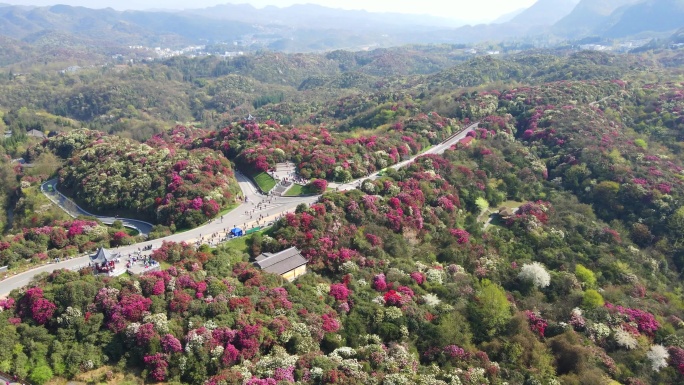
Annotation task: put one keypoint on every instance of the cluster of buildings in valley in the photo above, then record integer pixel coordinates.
(149, 53)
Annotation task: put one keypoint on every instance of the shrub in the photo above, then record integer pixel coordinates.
(40, 374)
(490, 310)
(339, 291)
(592, 299)
(318, 186)
(585, 276)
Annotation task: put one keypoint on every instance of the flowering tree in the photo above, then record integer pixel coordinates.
(318, 186)
(658, 356)
(36, 306)
(536, 274)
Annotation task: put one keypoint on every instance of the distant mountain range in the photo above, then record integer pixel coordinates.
(589, 16)
(130, 27)
(312, 16)
(317, 28)
(647, 16)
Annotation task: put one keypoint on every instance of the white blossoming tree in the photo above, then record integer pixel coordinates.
(624, 339)
(536, 274)
(658, 356)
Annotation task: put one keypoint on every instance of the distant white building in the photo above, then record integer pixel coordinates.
(595, 47)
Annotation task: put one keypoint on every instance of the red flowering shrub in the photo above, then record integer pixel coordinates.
(330, 323)
(171, 344)
(539, 209)
(537, 323)
(379, 282)
(133, 306)
(180, 301)
(34, 305)
(677, 358)
(247, 341)
(374, 240)
(406, 292)
(392, 298)
(418, 277)
(461, 235)
(145, 334)
(230, 355)
(646, 322)
(318, 186)
(42, 310)
(6, 303)
(339, 291)
(157, 365)
(120, 238)
(454, 351)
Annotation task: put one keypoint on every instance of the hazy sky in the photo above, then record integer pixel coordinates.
(471, 10)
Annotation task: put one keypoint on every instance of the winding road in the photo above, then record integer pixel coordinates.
(49, 188)
(244, 216)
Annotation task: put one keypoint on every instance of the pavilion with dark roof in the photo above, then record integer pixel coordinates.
(103, 260)
(288, 263)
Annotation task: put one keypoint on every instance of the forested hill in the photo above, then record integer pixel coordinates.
(544, 248)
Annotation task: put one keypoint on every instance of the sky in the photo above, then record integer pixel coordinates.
(469, 10)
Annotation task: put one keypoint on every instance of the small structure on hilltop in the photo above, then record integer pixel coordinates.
(288, 263)
(36, 134)
(507, 212)
(103, 261)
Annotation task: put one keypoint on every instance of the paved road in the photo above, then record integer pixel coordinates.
(437, 149)
(244, 216)
(49, 188)
(258, 206)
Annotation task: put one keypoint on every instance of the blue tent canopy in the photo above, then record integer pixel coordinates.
(237, 232)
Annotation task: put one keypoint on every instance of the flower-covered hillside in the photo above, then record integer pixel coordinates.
(158, 181)
(187, 324)
(319, 153)
(59, 239)
(585, 134)
(404, 287)
(410, 243)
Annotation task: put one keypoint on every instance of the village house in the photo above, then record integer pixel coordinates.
(36, 134)
(465, 142)
(288, 263)
(507, 212)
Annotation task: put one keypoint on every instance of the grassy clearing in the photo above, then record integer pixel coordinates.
(297, 190)
(496, 220)
(264, 181)
(239, 244)
(131, 232)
